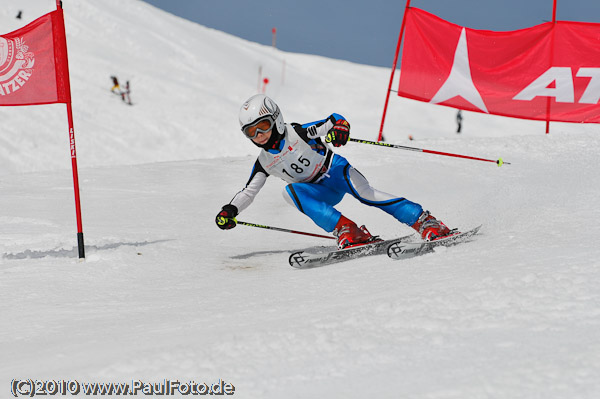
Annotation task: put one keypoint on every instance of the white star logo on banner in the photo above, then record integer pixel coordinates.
(459, 82)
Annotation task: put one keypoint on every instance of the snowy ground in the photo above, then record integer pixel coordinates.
(164, 294)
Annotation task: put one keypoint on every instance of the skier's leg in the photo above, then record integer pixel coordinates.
(315, 201)
(403, 210)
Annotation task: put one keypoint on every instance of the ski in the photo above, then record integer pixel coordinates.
(405, 250)
(307, 260)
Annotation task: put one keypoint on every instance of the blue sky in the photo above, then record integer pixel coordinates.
(359, 30)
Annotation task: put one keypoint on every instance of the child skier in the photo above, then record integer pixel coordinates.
(318, 178)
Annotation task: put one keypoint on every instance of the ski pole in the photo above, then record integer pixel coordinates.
(499, 161)
(262, 226)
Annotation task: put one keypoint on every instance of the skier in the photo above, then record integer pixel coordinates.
(459, 119)
(125, 94)
(115, 85)
(318, 178)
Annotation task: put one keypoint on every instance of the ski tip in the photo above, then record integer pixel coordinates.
(454, 233)
(470, 231)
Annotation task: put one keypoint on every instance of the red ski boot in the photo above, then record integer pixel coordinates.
(430, 228)
(350, 235)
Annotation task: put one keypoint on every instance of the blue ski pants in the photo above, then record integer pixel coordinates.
(317, 200)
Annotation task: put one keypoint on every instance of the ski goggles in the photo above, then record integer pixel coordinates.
(262, 125)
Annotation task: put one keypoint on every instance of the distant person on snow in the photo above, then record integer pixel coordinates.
(125, 94)
(20, 14)
(318, 178)
(116, 88)
(459, 121)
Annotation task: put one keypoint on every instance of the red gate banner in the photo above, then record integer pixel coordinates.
(547, 72)
(34, 69)
(33, 65)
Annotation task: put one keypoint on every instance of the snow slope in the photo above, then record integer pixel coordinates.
(164, 294)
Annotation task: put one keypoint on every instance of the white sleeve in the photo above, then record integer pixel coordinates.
(245, 197)
(319, 130)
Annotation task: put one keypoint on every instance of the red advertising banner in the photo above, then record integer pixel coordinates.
(547, 72)
(33, 63)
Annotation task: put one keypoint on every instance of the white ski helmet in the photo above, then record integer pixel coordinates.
(257, 109)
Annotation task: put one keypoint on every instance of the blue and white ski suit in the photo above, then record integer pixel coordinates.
(318, 178)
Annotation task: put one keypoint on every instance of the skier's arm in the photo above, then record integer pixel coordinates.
(335, 127)
(225, 218)
(257, 180)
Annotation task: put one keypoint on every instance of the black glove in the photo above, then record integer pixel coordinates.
(339, 133)
(225, 219)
